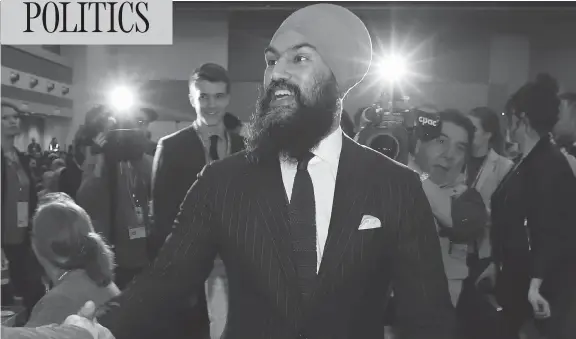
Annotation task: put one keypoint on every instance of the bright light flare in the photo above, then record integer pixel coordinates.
(393, 68)
(122, 98)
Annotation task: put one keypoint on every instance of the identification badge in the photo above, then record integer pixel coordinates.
(139, 230)
(137, 233)
(23, 214)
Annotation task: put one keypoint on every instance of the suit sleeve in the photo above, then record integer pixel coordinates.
(181, 268)
(553, 226)
(52, 309)
(46, 332)
(424, 308)
(159, 187)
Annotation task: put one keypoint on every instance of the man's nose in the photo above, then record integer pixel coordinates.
(281, 71)
(211, 102)
(450, 154)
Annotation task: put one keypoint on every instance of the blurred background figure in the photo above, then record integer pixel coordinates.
(485, 169)
(34, 147)
(54, 146)
(77, 261)
(565, 129)
(115, 186)
(19, 202)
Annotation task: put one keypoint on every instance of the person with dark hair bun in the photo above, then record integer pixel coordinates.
(533, 221)
(79, 264)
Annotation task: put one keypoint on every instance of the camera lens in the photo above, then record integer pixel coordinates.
(386, 144)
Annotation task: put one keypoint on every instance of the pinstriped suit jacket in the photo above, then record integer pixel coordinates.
(46, 332)
(238, 209)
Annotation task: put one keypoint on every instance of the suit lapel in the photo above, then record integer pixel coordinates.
(341, 227)
(237, 142)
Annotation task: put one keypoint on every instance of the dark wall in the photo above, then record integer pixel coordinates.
(460, 37)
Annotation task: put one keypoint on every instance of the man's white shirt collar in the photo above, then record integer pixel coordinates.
(328, 151)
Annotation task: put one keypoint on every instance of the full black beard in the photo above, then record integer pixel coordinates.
(291, 131)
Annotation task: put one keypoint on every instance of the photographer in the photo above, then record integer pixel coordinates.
(115, 189)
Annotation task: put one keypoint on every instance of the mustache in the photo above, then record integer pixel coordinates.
(279, 85)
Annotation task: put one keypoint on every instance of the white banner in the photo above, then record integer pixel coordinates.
(74, 22)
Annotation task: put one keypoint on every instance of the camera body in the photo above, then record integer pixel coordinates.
(124, 142)
(389, 129)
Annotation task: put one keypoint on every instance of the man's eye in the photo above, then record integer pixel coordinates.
(271, 62)
(300, 58)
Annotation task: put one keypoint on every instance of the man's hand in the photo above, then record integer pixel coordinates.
(86, 320)
(540, 305)
(489, 274)
(100, 139)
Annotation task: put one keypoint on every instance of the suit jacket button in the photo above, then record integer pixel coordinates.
(301, 336)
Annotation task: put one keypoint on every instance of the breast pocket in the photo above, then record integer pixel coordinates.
(368, 243)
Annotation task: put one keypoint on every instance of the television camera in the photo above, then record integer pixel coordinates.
(116, 120)
(392, 125)
(388, 126)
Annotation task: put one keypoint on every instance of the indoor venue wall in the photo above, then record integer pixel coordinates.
(467, 57)
(50, 110)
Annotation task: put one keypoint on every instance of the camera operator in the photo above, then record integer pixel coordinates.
(115, 189)
(443, 146)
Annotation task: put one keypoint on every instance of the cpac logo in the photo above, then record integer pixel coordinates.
(428, 121)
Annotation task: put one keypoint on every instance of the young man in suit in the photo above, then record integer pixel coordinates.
(313, 227)
(178, 160)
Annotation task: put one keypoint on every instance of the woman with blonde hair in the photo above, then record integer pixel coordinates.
(77, 261)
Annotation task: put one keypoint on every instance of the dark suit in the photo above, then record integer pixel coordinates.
(238, 209)
(178, 160)
(46, 332)
(534, 235)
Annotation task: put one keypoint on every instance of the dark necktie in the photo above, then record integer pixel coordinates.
(303, 227)
(214, 147)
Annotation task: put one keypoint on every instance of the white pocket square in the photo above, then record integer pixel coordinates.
(369, 222)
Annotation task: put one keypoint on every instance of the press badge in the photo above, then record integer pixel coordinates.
(23, 214)
(139, 230)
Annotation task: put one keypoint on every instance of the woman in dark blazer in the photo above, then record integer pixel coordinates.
(534, 221)
(19, 202)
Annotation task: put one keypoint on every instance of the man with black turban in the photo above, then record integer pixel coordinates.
(312, 227)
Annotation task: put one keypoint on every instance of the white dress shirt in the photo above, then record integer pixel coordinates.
(323, 169)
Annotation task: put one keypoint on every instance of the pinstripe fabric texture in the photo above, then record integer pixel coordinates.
(46, 332)
(238, 209)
